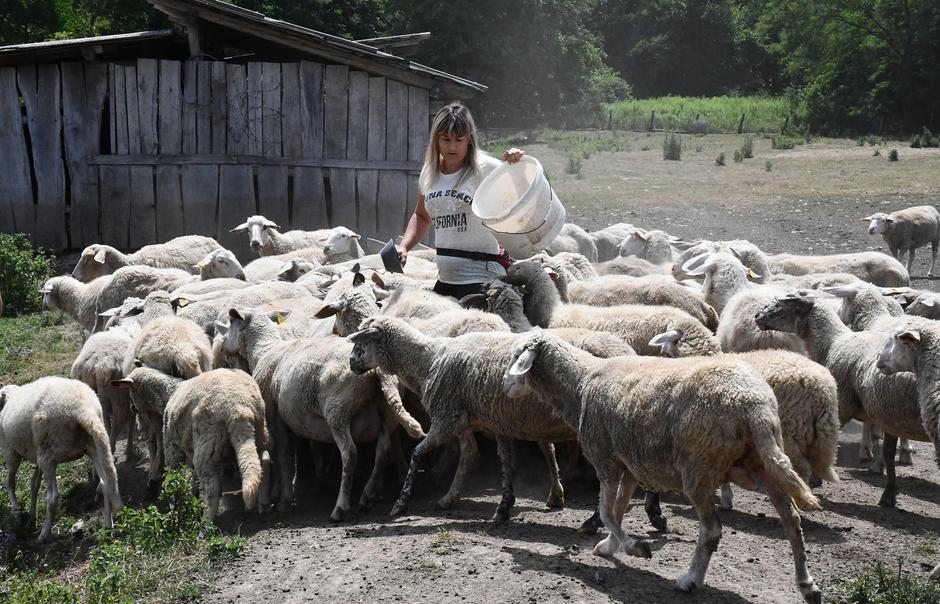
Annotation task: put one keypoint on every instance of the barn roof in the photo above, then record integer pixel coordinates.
(99, 47)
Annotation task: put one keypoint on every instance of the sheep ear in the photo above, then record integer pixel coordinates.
(473, 301)
(221, 328)
(279, 316)
(524, 363)
(356, 236)
(910, 337)
(380, 293)
(202, 263)
(889, 219)
(328, 310)
(122, 383)
(928, 302)
(356, 268)
(751, 274)
(358, 278)
(551, 273)
(242, 227)
(378, 280)
(841, 291)
(666, 338)
(363, 336)
(698, 265)
(101, 255)
(235, 315)
(270, 224)
(138, 363)
(110, 312)
(868, 218)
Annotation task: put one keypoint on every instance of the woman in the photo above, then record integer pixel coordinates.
(468, 254)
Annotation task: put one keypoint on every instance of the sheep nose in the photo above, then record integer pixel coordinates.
(871, 231)
(255, 244)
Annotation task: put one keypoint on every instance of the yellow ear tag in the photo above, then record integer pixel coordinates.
(752, 274)
(723, 245)
(202, 263)
(279, 318)
(182, 302)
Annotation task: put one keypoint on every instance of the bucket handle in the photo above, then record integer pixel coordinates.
(517, 232)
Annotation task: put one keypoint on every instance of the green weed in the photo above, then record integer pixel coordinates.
(881, 585)
(722, 114)
(672, 147)
(33, 346)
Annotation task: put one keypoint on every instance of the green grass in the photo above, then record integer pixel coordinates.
(881, 585)
(33, 346)
(721, 113)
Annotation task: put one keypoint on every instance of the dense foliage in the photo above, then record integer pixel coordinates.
(23, 270)
(846, 65)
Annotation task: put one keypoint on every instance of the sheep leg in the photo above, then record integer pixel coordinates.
(13, 466)
(627, 487)
(206, 468)
(865, 444)
(434, 438)
(504, 447)
(556, 496)
(709, 534)
(34, 490)
(382, 448)
(905, 452)
(727, 497)
(590, 526)
(468, 454)
(654, 512)
(790, 518)
(286, 445)
(617, 539)
(890, 495)
(156, 461)
(52, 498)
(933, 259)
(349, 455)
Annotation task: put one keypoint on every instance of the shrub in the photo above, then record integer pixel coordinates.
(574, 164)
(860, 141)
(881, 586)
(698, 148)
(645, 148)
(23, 269)
(720, 160)
(893, 155)
(784, 141)
(916, 142)
(672, 147)
(738, 156)
(877, 153)
(925, 139)
(747, 148)
(768, 165)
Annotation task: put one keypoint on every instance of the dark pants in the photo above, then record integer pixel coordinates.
(457, 291)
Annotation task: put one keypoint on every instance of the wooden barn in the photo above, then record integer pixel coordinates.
(137, 138)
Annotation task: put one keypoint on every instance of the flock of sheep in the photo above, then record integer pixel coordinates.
(678, 366)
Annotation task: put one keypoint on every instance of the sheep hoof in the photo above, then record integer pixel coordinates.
(605, 547)
(889, 498)
(877, 466)
(814, 481)
(641, 549)
(44, 537)
(810, 592)
(685, 583)
(501, 516)
(555, 501)
(905, 457)
(337, 514)
(659, 523)
(590, 526)
(399, 509)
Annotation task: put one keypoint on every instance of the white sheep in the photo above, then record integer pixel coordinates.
(182, 252)
(573, 238)
(268, 267)
(51, 421)
(76, 299)
(266, 239)
(874, 267)
(608, 240)
(342, 245)
(908, 229)
(653, 246)
(925, 305)
(135, 281)
(175, 346)
(220, 264)
(628, 265)
(680, 425)
(889, 402)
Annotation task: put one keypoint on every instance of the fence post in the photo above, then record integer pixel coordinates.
(610, 120)
(786, 123)
(741, 124)
(652, 118)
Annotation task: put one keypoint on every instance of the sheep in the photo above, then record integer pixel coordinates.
(811, 281)
(50, 421)
(211, 286)
(889, 402)
(268, 267)
(654, 246)
(874, 267)
(134, 281)
(613, 290)
(628, 265)
(342, 245)
(295, 269)
(265, 237)
(608, 240)
(635, 324)
(575, 266)
(134, 313)
(182, 253)
(908, 229)
(459, 382)
(175, 346)
(310, 392)
(925, 305)
(682, 425)
(76, 299)
(573, 238)
(220, 264)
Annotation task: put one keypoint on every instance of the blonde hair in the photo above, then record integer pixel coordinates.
(454, 119)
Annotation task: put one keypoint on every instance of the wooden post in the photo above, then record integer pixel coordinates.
(741, 124)
(610, 120)
(652, 119)
(786, 123)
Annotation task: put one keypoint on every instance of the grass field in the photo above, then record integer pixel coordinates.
(722, 114)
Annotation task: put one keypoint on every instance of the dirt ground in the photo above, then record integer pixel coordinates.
(811, 202)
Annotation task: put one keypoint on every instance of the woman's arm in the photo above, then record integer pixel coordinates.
(417, 228)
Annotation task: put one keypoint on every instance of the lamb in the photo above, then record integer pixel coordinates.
(681, 425)
(182, 252)
(613, 290)
(889, 402)
(925, 305)
(908, 229)
(265, 237)
(573, 238)
(50, 421)
(608, 240)
(310, 392)
(654, 246)
(635, 324)
(137, 281)
(76, 299)
(342, 245)
(175, 346)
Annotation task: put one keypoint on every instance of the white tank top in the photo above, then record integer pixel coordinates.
(457, 227)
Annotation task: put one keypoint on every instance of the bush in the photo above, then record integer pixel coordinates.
(720, 160)
(884, 586)
(893, 155)
(925, 139)
(738, 156)
(747, 148)
(768, 165)
(672, 147)
(574, 165)
(784, 141)
(877, 153)
(23, 269)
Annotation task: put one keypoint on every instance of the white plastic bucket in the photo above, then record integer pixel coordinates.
(517, 203)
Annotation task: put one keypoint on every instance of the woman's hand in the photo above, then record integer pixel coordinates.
(402, 253)
(513, 155)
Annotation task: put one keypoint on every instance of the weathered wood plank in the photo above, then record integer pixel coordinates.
(357, 141)
(143, 221)
(254, 108)
(84, 89)
(236, 203)
(418, 125)
(311, 90)
(169, 202)
(203, 108)
(394, 206)
(190, 108)
(343, 198)
(367, 181)
(147, 104)
(271, 109)
(115, 203)
(17, 213)
(316, 162)
(200, 189)
(219, 107)
(272, 193)
(310, 208)
(39, 87)
(170, 108)
(120, 110)
(112, 111)
(336, 110)
(133, 109)
(291, 129)
(236, 94)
